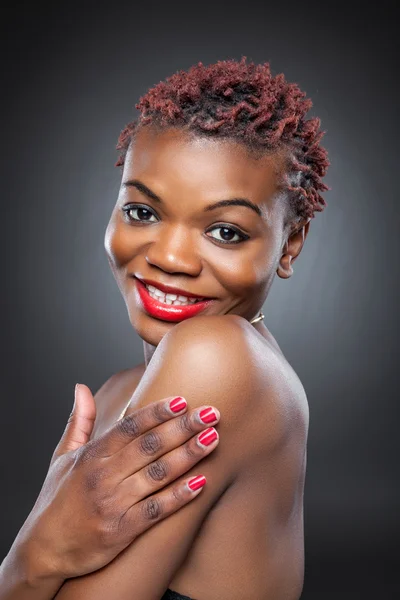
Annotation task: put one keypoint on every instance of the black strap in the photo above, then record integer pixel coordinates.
(171, 595)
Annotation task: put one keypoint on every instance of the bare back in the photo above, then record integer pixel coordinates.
(251, 543)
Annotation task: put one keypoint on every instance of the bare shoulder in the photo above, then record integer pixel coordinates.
(219, 360)
(229, 345)
(222, 360)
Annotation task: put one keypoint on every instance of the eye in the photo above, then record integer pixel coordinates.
(227, 234)
(137, 213)
(143, 213)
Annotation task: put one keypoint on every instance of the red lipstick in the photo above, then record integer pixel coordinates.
(168, 312)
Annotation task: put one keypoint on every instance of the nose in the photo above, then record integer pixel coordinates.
(174, 251)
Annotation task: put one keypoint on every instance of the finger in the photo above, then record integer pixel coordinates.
(144, 514)
(166, 469)
(80, 422)
(134, 424)
(158, 441)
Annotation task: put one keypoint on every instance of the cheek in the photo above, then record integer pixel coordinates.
(240, 271)
(119, 243)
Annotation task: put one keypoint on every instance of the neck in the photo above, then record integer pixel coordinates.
(148, 351)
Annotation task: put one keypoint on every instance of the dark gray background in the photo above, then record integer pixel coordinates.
(71, 78)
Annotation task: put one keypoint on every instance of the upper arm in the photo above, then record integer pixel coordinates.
(207, 366)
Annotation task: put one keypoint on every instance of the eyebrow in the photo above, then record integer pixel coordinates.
(231, 202)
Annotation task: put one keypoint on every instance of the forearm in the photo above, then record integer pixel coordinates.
(145, 568)
(21, 578)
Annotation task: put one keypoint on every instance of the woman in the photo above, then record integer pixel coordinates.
(221, 177)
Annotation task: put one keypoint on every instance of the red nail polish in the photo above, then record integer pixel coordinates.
(208, 436)
(197, 482)
(177, 404)
(208, 415)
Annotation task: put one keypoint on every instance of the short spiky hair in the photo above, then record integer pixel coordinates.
(244, 102)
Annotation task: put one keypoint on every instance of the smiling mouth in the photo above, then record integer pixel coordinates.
(170, 299)
(166, 292)
(169, 306)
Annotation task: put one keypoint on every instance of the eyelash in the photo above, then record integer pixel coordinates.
(129, 207)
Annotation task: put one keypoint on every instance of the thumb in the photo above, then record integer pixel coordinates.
(80, 422)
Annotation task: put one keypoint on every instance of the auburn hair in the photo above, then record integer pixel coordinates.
(242, 101)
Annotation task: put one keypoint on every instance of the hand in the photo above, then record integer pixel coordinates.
(100, 494)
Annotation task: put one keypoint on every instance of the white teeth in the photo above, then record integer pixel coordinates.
(170, 298)
(154, 290)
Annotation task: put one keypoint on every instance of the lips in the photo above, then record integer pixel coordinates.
(168, 312)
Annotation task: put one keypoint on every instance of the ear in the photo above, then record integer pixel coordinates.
(292, 249)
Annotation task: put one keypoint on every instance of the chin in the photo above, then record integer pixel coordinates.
(149, 329)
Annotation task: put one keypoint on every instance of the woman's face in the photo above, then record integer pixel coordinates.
(163, 227)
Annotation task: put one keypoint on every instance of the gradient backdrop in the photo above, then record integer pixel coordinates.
(71, 78)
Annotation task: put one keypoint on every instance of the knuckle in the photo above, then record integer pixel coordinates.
(159, 412)
(192, 451)
(177, 494)
(152, 509)
(93, 478)
(157, 471)
(150, 443)
(104, 507)
(128, 426)
(107, 530)
(185, 424)
(125, 531)
(85, 453)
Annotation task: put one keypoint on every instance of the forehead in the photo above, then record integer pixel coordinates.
(177, 160)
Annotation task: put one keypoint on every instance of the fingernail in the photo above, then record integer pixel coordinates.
(177, 404)
(75, 393)
(208, 415)
(197, 482)
(208, 436)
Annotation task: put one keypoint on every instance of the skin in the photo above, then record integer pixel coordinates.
(243, 537)
(96, 498)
